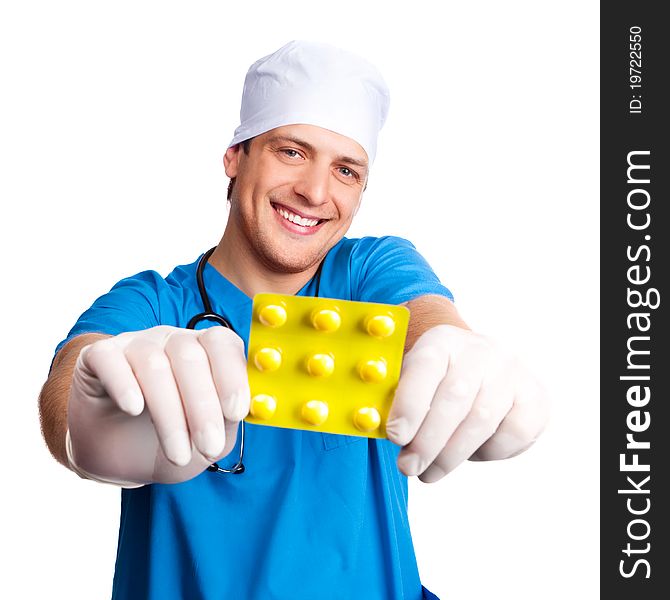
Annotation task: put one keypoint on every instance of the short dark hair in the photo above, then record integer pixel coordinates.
(246, 144)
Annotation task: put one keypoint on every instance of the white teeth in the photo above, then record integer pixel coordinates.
(297, 219)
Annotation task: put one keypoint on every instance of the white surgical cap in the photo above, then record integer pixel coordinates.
(314, 84)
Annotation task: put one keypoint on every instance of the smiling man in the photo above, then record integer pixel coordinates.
(296, 190)
(147, 391)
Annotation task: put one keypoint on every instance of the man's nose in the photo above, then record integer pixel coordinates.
(314, 185)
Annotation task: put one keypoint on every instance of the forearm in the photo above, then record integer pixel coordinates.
(428, 311)
(55, 393)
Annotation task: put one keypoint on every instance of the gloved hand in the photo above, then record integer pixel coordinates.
(157, 405)
(461, 397)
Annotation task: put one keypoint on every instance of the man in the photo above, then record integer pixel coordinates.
(137, 399)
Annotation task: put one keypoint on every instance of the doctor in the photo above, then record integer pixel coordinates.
(136, 399)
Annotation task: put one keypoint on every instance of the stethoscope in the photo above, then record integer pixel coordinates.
(209, 315)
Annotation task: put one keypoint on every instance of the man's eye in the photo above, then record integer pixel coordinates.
(347, 172)
(290, 152)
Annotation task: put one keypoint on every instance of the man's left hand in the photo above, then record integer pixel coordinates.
(459, 397)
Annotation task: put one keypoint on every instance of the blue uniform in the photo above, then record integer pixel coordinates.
(315, 516)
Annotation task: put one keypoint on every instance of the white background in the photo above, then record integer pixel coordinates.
(114, 120)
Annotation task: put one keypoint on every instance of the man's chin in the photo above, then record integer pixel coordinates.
(293, 269)
(293, 265)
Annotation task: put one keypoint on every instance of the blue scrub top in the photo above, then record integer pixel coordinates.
(315, 516)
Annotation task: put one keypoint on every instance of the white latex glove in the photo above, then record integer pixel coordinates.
(461, 397)
(157, 405)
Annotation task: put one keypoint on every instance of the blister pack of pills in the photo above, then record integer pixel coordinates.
(325, 365)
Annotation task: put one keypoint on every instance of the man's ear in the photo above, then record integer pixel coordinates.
(231, 159)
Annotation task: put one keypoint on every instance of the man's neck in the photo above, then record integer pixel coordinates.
(244, 271)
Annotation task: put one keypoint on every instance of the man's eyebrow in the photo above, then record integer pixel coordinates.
(307, 146)
(352, 161)
(292, 140)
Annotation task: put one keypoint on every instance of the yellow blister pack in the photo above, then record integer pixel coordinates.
(322, 364)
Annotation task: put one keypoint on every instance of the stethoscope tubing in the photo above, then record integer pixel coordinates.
(209, 315)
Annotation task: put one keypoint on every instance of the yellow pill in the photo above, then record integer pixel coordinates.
(326, 319)
(320, 365)
(263, 406)
(267, 359)
(315, 412)
(272, 315)
(367, 418)
(373, 371)
(380, 326)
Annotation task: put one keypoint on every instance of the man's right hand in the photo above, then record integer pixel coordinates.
(157, 405)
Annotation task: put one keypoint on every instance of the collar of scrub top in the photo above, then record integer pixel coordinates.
(209, 315)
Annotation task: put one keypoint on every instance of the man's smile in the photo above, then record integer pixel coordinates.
(295, 221)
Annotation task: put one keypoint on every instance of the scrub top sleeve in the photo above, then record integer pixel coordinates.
(392, 272)
(131, 305)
